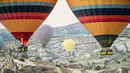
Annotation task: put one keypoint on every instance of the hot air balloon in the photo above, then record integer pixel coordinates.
(44, 34)
(23, 17)
(69, 44)
(104, 19)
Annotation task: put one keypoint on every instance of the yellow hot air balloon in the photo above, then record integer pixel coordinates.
(69, 44)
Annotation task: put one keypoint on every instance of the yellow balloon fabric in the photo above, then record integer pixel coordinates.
(69, 44)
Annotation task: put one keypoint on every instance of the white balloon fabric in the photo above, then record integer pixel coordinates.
(44, 34)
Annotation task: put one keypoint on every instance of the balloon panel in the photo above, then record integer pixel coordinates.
(44, 34)
(23, 17)
(69, 44)
(104, 19)
(76, 3)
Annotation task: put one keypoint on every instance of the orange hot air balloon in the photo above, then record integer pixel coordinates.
(104, 19)
(23, 17)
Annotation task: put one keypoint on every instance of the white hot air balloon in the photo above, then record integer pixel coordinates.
(44, 34)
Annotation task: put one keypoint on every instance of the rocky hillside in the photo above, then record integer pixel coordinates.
(85, 52)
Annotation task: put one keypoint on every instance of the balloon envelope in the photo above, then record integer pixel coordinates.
(23, 17)
(44, 34)
(104, 19)
(69, 44)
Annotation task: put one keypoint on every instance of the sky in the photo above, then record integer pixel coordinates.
(60, 16)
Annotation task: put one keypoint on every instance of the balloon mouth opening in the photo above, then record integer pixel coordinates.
(22, 48)
(23, 41)
(23, 37)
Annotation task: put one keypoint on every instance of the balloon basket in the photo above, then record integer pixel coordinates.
(22, 48)
(106, 51)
